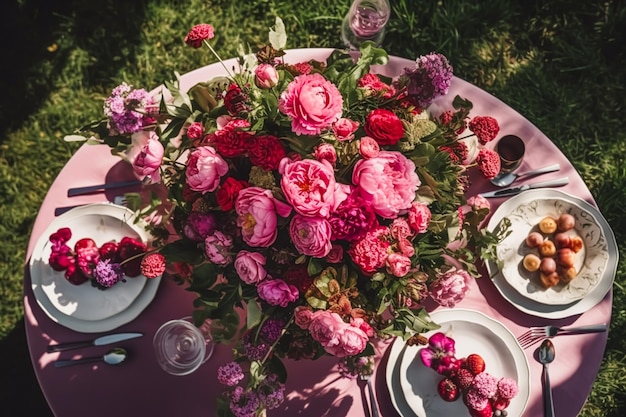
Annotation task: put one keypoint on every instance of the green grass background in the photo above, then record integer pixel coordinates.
(559, 63)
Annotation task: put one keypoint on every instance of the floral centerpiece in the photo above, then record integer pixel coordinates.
(311, 206)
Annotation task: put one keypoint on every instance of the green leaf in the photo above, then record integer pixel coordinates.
(278, 35)
(254, 314)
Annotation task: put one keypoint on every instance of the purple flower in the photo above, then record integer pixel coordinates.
(199, 225)
(429, 79)
(107, 274)
(129, 110)
(230, 374)
(271, 392)
(244, 403)
(272, 330)
(439, 355)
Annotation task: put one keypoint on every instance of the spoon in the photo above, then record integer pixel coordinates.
(506, 178)
(113, 357)
(546, 356)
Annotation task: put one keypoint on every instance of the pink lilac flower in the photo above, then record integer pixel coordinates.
(439, 347)
(218, 248)
(388, 182)
(310, 235)
(244, 403)
(277, 292)
(488, 163)
(198, 34)
(255, 350)
(230, 374)
(272, 329)
(107, 273)
(205, 169)
(485, 128)
(129, 110)
(312, 102)
(309, 186)
(450, 287)
(250, 266)
(271, 392)
(352, 219)
(430, 78)
(153, 265)
(371, 251)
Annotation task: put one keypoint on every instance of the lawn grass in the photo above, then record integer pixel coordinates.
(559, 63)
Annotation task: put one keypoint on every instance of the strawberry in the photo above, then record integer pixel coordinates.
(474, 363)
(463, 378)
(448, 390)
(485, 412)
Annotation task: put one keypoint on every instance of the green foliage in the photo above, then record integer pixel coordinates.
(559, 63)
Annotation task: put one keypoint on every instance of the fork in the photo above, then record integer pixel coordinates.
(535, 334)
(368, 380)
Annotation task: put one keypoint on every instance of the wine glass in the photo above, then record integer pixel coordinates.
(365, 20)
(181, 347)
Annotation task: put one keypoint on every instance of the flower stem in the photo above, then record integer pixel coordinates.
(218, 58)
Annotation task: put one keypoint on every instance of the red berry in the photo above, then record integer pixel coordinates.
(474, 363)
(463, 378)
(448, 390)
(485, 412)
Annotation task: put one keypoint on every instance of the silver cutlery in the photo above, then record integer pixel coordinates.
(120, 200)
(373, 407)
(546, 356)
(113, 357)
(507, 178)
(533, 334)
(100, 341)
(507, 192)
(101, 187)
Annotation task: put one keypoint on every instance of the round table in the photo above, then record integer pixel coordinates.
(314, 388)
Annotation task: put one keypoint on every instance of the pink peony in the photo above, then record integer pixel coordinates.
(199, 225)
(205, 169)
(325, 327)
(218, 248)
(303, 315)
(344, 129)
(195, 131)
(419, 217)
(256, 209)
(326, 152)
(310, 235)
(351, 341)
(149, 159)
(265, 76)
(398, 264)
(277, 292)
(478, 202)
(312, 102)
(309, 186)
(388, 182)
(450, 287)
(335, 255)
(250, 266)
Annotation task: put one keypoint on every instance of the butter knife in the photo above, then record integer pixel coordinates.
(101, 187)
(507, 192)
(100, 341)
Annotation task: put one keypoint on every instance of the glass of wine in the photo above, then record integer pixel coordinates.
(365, 21)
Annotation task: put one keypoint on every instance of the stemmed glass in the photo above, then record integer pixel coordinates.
(365, 20)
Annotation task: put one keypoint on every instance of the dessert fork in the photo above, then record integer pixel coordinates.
(368, 380)
(534, 334)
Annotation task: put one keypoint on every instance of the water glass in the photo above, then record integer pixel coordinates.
(511, 149)
(365, 21)
(181, 347)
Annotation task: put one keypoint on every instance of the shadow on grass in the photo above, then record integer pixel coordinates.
(42, 36)
(20, 395)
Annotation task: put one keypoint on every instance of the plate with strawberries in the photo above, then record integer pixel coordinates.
(485, 369)
(62, 268)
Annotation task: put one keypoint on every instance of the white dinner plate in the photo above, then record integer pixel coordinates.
(82, 307)
(413, 387)
(597, 264)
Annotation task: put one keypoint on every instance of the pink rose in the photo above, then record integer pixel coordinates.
(326, 152)
(277, 292)
(309, 186)
(344, 129)
(368, 147)
(398, 265)
(352, 341)
(400, 229)
(149, 159)
(325, 327)
(303, 316)
(205, 169)
(450, 287)
(310, 235)
(256, 210)
(419, 217)
(265, 76)
(195, 131)
(335, 255)
(388, 182)
(250, 266)
(312, 102)
(218, 248)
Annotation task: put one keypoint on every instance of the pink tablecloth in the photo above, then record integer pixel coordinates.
(140, 388)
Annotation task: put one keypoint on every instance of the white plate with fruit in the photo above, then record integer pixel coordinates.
(560, 257)
(415, 388)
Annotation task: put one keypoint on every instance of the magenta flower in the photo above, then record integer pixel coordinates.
(265, 76)
(230, 374)
(129, 110)
(310, 235)
(205, 169)
(430, 78)
(440, 352)
(256, 215)
(309, 186)
(218, 248)
(149, 159)
(277, 292)
(450, 287)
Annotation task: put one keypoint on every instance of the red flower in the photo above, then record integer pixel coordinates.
(373, 83)
(199, 33)
(235, 100)
(485, 128)
(128, 248)
(266, 151)
(384, 126)
(303, 68)
(153, 265)
(488, 162)
(227, 193)
(228, 142)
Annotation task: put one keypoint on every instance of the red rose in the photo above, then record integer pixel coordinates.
(227, 193)
(266, 151)
(199, 33)
(384, 126)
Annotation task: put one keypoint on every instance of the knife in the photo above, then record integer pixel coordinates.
(101, 187)
(516, 190)
(100, 341)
